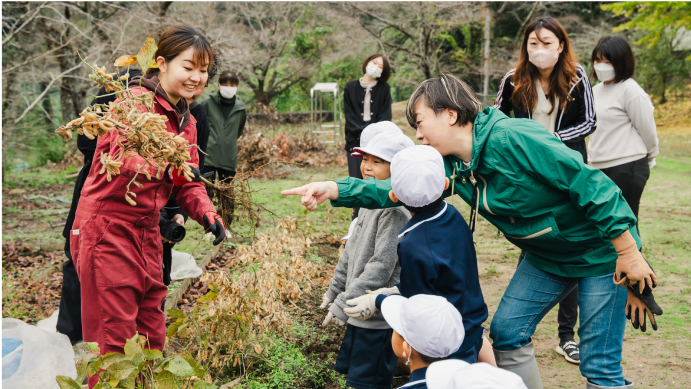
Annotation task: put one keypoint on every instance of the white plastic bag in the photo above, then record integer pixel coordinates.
(39, 358)
(49, 324)
(184, 266)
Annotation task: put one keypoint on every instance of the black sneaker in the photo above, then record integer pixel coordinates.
(569, 350)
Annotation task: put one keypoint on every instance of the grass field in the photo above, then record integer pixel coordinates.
(652, 359)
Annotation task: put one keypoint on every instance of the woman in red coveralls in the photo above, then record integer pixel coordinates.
(116, 247)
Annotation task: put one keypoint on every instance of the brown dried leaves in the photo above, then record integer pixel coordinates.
(247, 305)
(140, 131)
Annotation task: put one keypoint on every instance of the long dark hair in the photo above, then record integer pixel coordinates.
(524, 79)
(177, 39)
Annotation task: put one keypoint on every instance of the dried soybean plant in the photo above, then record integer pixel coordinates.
(140, 130)
(143, 132)
(229, 327)
(233, 199)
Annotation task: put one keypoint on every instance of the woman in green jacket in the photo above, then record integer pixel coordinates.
(569, 217)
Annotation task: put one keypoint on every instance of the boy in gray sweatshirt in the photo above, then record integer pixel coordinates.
(369, 262)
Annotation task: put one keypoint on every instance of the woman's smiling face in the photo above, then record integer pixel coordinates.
(182, 76)
(435, 130)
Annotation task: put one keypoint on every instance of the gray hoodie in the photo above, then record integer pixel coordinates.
(369, 262)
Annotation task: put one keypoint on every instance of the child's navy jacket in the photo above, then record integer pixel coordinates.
(438, 258)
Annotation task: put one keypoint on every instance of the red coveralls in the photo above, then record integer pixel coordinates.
(117, 247)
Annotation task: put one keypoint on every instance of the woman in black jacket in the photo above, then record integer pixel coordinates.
(547, 60)
(550, 87)
(366, 101)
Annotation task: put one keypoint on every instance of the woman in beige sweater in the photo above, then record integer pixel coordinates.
(625, 143)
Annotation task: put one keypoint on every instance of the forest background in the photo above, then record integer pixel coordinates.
(280, 50)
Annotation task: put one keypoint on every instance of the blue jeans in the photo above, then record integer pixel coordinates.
(532, 293)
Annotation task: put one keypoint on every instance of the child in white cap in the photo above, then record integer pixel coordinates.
(368, 262)
(385, 127)
(436, 250)
(455, 374)
(426, 329)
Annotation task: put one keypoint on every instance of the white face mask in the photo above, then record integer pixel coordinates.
(604, 71)
(373, 70)
(228, 92)
(543, 59)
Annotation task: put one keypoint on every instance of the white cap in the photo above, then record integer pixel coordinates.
(456, 374)
(385, 145)
(430, 324)
(374, 129)
(418, 176)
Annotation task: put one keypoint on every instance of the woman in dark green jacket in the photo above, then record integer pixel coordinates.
(570, 218)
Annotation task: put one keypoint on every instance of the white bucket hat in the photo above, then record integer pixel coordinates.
(418, 176)
(374, 129)
(456, 374)
(430, 324)
(385, 145)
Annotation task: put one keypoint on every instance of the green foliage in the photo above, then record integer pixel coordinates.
(287, 367)
(659, 67)
(657, 19)
(138, 368)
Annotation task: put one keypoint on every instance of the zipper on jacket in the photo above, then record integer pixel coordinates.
(535, 235)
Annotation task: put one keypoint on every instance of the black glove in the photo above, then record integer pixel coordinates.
(216, 228)
(639, 313)
(197, 174)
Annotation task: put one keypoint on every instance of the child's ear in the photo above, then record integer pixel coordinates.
(446, 186)
(406, 349)
(393, 197)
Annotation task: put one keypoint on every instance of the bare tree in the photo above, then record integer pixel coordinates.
(272, 46)
(417, 30)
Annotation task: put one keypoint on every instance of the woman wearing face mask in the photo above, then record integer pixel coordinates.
(116, 247)
(625, 144)
(548, 86)
(365, 101)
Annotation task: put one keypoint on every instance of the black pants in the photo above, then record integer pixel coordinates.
(167, 264)
(354, 171)
(70, 315)
(631, 178)
(568, 312)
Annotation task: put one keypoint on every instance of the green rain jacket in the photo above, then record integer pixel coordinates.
(535, 190)
(224, 132)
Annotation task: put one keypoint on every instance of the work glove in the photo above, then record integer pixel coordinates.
(176, 177)
(216, 228)
(385, 291)
(637, 309)
(363, 307)
(651, 163)
(631, 266)
(332, 319)
(325, 301)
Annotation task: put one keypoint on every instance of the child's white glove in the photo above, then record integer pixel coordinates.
(363, 307)
(385, 291)
(331, 319)
(325, 301)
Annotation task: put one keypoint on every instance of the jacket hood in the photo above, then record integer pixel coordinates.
(239, 104)
(182, 108)
(482, 128)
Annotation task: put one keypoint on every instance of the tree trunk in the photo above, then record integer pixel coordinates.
(47, 105)
(485, 84)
